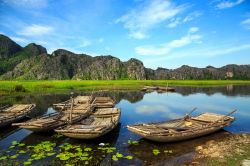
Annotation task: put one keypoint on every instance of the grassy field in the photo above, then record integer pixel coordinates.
(9, 87)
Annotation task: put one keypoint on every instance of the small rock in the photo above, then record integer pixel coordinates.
(211, 142)
(198, 148)
(215, 155)
(245, 135)
(246, 163)
(195, 163)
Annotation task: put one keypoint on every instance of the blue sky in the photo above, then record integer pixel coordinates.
(161, 33)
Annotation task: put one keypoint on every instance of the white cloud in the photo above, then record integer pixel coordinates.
(149, 14)
(228, 4)
(246, 23)
(36, 30)
(19, 40)
(193, 29)
(100, 40)
(40, 42)
(224, 51)
(174, 22)
(192, 16)
(206, 51)
(177, 21)
(167, 47)
(27, 3)
(163, 110)
(85, 43)
(138, 35)
(149, 110)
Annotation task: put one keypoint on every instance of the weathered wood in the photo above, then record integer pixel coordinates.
(186, 129)
(104, 102)
(14, 113)
(76, 112)
(94, 126)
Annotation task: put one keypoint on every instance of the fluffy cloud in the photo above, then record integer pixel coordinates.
(149, 110)
(177, 21)
(27, 3)
(228, 4)
(85, 43)
(147, 15)
(36, 30)
(167, 47)
(246, 23)
(18, 39)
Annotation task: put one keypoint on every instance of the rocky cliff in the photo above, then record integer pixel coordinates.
(33, 62)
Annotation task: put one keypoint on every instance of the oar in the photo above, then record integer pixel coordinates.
(187, 115)
(230, 113)
(71, 109)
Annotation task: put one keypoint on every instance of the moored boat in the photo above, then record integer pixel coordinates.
(158, 88)
(145, 88)
(182, 129)
(14, 113)
(102, 121)
(77, 100)
(103, 102)
(51, 121)
(166, 88)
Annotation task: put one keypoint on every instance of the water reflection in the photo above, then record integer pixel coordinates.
(137, 107)
(181, 152)
(229, 90)
(7, 131)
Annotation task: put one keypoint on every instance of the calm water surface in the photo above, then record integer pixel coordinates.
(136, 107)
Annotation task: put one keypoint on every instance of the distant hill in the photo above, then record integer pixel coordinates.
(33, 62)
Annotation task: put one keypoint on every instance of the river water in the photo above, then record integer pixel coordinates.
(18, 146)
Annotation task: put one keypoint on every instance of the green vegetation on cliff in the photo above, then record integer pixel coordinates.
(33, 63)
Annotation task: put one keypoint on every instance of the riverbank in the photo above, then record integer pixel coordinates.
(10, 87)
(231, 151)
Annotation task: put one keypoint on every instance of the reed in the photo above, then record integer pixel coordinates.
(10, 87)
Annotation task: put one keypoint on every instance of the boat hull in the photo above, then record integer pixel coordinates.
(193, 127)
(85, 135)
(163, 138)
(51, 127)
(16, 118)
(40, 129)
(78, 134)
(9, 122)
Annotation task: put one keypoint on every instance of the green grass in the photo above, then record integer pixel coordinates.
(9, 87)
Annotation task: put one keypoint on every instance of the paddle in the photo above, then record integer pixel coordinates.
(187, 115)
(71, 109)
(223, 118)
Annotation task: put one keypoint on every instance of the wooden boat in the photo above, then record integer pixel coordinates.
(166, 88)
(104, 102)
(14, 113)
(102, 121)
(145, 88)
(76, 100)
(182, 129)
(53, 120)
(158, 88)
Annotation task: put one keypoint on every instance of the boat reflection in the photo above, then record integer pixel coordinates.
(175, 153)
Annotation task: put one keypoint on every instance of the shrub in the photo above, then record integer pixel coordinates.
(19, 88)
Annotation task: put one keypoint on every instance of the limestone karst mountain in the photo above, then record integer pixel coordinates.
(33, 62)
